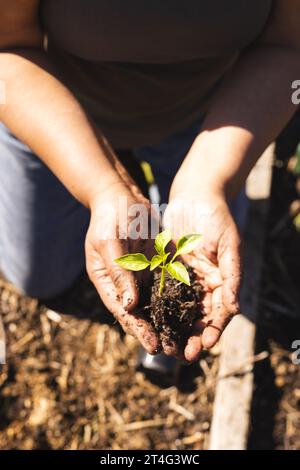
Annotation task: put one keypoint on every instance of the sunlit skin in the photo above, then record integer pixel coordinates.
(247, 114)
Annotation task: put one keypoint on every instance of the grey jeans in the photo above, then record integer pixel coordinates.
(42, 227)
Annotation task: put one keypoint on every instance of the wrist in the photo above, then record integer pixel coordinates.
(109, 193)
(208, 171)
(194, 182)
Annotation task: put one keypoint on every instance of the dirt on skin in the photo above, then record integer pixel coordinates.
(70, 381)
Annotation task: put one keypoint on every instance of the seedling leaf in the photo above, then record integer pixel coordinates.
(139, 262)
(155, 261)
(161, 241)
(178, 271)
(187, 243)
(133, 262)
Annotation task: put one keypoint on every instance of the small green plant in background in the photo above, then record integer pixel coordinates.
(139, 262)
(297, 165)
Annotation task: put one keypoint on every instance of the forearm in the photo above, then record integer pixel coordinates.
(41, 112)
(248, 113)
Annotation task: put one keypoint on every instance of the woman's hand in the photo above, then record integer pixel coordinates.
(116, 286)
(216, 261)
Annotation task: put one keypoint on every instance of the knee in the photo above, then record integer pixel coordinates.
(40, 287)
(40, 279)
(36, 282)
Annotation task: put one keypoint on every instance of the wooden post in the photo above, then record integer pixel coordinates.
(230, 423)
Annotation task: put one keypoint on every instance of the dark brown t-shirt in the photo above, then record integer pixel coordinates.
(144, 69)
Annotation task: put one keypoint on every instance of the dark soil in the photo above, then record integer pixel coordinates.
(174, 312)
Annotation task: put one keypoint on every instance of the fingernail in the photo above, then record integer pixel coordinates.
(127, 300)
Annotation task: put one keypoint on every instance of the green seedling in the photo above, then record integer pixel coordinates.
(139, 262)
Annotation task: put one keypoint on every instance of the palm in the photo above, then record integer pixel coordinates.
(117, 287)
(216, 263)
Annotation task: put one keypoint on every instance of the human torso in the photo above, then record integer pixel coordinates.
(134, 62)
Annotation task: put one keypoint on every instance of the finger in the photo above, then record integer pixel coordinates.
(193, 348)
(216, 321)
(131, 323)
(140, 328)
(206, 303)
(230, 269)
(123, 280)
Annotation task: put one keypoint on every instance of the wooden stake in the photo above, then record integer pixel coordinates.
(230, 424)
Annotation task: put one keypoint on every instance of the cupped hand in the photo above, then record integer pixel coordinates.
(108, 238)
(217, 262)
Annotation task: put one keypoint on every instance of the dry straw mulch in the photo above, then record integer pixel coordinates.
(71, 383)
